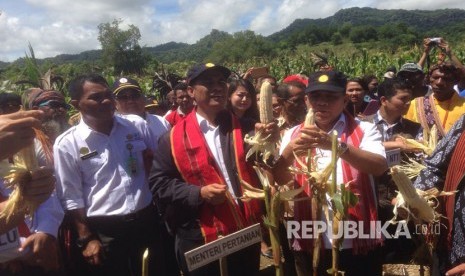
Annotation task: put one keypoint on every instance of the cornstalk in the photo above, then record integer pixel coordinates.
(335, 243)
(145, 263)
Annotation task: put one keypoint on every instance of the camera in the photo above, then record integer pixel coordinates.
(434, 40)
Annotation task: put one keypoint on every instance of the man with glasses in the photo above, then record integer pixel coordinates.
(291, 95)
(197, 171)
(55, 108)
(131, 100)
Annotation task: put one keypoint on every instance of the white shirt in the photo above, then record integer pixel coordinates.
(371, 142)
(93, 170)
(157, 127)
(212, 136)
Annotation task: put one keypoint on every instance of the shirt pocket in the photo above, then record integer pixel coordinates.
(94, 162)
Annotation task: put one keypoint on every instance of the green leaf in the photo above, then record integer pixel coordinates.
(338, 203)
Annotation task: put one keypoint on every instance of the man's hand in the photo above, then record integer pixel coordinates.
(271, 129)
(41, 186)
(458, 270)
(16, 131)
(312, 137)
(93, 252)
(427, 45)
(214, 193)
(44, 251)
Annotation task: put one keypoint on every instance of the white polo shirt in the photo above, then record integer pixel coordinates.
(103, 173)
(371, 142)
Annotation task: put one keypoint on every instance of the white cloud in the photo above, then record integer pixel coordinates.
(69, 26)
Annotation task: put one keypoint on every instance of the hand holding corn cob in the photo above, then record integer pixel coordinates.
(16, 131)
(263, 142)
(30, 186)
(410, 200)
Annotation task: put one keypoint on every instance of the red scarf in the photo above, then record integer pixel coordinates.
(455, 172)
(360, 184)
(175, 117)
(197, 166)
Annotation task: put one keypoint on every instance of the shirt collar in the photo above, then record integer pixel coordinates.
(340, 125)
(204, 125)
(180, 111)
(379, 120)
(85, 130)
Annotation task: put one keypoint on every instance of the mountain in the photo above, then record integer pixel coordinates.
(419, 20)
(391, 26)
(173, 51)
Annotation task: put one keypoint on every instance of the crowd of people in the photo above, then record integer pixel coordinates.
(117, 179)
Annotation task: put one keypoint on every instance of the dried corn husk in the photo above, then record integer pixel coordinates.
(420, 205)
(17, 176)
(259, 142)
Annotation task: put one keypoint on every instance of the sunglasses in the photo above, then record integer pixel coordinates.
(55, 105)
(127, 97)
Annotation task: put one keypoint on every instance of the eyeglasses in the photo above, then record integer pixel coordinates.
(127, 97)
(55, 105)
(296, 100)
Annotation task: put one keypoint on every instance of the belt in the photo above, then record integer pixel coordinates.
(149, 211)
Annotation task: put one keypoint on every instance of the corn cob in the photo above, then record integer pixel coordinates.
(266, 103)
(259, 142)
(309, 118)
(17, 176)
(413, 201)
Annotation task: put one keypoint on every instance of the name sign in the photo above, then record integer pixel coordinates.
(222, 247)
(9, 240)
(393, 157)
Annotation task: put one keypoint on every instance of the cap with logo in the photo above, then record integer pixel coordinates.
(410, 67)
(199, 69)
(125, 83)
(330, 81)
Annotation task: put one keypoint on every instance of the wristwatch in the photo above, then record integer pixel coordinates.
(342, 148)
(82, 242)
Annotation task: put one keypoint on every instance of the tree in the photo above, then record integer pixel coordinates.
(120, 48)
(336, 38)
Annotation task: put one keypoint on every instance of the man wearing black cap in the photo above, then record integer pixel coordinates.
(361, 155)
(131, 100)
(197, 171)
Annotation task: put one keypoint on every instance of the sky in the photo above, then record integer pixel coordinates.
(56, 27)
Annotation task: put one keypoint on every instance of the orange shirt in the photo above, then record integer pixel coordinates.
(448, 111)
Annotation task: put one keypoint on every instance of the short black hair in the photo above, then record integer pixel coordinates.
(76, 85)
(180, 86)
(283, 91)
(388, 87)
(360, 81)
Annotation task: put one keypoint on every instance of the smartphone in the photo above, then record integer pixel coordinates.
(259, 72)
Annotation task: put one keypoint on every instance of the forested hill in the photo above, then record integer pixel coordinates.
(391, 28)
(446, 21)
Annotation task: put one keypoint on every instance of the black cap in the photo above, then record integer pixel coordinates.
(331, 81)
(124, 83)
(198, 69)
